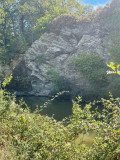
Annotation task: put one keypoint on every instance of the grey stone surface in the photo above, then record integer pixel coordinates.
(59, 50)
(60, 46)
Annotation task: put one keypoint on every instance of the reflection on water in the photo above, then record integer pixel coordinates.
(59, 108)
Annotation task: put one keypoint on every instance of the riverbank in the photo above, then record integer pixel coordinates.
(26, 135)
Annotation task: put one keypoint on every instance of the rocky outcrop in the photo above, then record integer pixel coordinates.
(58, 51)
(51, 56)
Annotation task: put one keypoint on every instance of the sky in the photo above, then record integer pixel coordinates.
(96, 3)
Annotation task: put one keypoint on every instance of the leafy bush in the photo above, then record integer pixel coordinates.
(25, 135)
(93, 68)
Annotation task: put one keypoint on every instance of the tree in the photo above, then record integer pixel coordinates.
(23, 21)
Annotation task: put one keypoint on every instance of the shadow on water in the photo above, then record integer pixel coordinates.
(59, 108)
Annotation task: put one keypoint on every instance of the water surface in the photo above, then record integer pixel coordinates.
(59, 108)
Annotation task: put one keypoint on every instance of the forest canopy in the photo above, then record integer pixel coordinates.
(23, 21)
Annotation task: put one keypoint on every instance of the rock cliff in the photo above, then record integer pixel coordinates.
(49, 61)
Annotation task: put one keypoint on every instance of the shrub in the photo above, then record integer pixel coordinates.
(93, 68)
(26, 135)
(40, 59)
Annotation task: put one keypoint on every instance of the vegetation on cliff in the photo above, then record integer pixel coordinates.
(93, 68)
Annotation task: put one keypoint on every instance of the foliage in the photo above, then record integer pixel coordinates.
(115, 47)
(6, 81)
(93, 68)
(40, 59)
(26, 135)
(114, 85)
(57, 8)
(114, 79)
(23, 21)
(114, 35)
(115, 69)
(53, 74)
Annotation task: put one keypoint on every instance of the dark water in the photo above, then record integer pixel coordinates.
(59, 108)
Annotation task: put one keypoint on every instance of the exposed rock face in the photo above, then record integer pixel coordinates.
(58, 51)
(53, 54)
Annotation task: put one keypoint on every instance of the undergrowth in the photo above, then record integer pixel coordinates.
(31, 136)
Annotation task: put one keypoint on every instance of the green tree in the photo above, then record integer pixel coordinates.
(9, 31)
(23, 21)
(56, 8)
